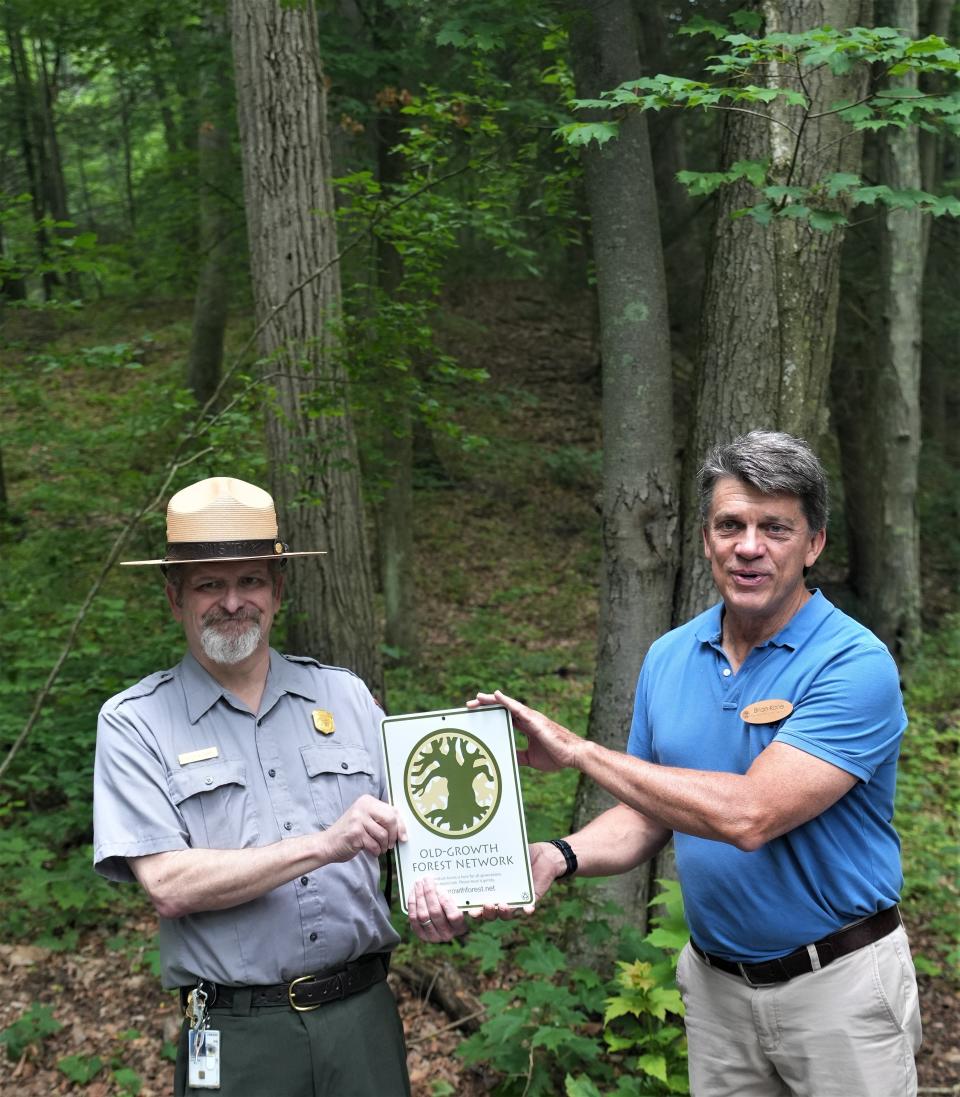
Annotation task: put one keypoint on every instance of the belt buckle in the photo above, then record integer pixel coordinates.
(746, 978)
(293, 1004)
(750, 983)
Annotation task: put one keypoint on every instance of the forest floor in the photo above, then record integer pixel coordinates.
(473, 524)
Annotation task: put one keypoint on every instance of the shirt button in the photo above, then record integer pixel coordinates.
(343, 765)
(726, 672)
(288, 826)
(313, 936)
(271, 773)
(208, 781)
(303, 880)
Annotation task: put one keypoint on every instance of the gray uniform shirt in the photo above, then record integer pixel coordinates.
(274, 776)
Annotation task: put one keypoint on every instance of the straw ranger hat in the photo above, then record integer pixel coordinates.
(222, 519)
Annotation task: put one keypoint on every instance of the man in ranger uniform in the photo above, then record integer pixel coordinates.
(244, 790)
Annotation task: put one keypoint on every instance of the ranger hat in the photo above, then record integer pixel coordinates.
(222, 519)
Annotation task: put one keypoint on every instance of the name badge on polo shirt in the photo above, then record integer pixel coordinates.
(323, 721)
(198, 756)
(766, 712)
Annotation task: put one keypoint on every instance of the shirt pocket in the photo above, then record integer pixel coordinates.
(338, 776)
(216, 805)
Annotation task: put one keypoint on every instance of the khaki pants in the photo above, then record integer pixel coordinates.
(849, 1030)
(350, 1048)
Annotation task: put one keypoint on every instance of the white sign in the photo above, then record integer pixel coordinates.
(453, 775)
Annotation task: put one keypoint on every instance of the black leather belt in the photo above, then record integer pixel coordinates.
(303, 994)
(810, 957)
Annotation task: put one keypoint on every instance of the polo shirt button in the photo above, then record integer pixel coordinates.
(726, 672)
(288, 826)
(313, 936)
(343, 765)
(303, 880)
(271, 773)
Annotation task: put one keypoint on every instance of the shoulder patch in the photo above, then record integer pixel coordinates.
(308, 661)
(144, 687)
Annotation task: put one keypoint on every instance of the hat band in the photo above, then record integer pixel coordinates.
(184, 551)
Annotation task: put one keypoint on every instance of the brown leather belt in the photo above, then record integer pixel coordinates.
(810, 957)
(303, 994)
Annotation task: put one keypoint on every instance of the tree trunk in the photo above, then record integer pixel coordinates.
(682, 251)
(639, 493)
(314, 473)
(31, 146)
(937, 392)
(770, 300)
(878, 409)
(215, 168)
(395, 518)
(125, 101)
(54, 182)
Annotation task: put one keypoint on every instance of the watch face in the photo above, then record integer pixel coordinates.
(452, 783)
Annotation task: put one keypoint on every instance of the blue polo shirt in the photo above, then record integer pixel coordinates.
(847, 709)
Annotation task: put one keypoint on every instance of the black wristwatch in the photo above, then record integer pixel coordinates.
(568, 855)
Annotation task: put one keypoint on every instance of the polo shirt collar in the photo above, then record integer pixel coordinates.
(804, 622)
(202, 691)
(710, 625)
(799, 628)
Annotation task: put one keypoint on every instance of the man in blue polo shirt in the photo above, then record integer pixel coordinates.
(765, 738)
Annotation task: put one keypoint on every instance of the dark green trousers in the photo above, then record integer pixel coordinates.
(350, 1048)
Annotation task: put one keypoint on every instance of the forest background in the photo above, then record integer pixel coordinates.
(471, 288)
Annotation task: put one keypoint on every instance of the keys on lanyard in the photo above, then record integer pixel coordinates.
(203, 1043)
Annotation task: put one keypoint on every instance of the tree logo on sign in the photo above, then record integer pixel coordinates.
(452, 783)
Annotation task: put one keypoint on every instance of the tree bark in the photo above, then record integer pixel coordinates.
(314, 472)
(215, 168)
(770, 300)
(639, 494)
(395, 516)
(878, 405)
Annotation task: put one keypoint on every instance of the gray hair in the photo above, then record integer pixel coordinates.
(772, 463)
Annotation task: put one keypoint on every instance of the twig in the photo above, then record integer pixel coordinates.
(526, 1088)
(446, 1028)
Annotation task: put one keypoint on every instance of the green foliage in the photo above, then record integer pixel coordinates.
(80, 1069)
(544, 1030)
(29, 1030)
(743, 82)
(928, 792)
(66, 250)
(111, 409)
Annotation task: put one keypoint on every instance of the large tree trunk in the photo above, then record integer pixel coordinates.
(215, 168)
(639, 492)
(878, 408)
(286, 168)
(770, 301)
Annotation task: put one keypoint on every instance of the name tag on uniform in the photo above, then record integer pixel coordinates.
(766, 712)
(198, 755)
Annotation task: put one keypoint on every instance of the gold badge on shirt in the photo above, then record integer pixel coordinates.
(323, 721)
(766, 712)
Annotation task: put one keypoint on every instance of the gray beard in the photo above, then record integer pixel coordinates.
(230, 647)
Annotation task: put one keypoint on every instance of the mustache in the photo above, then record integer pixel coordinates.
(216, 617)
